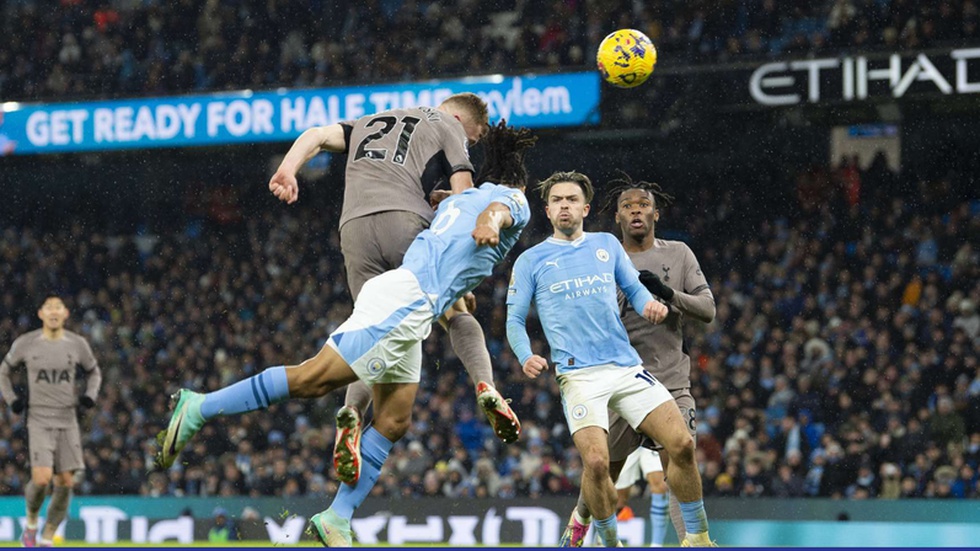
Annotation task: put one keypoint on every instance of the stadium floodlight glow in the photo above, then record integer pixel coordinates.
(493, 79)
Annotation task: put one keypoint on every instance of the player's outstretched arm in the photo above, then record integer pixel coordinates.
(330, 138)
(519, 297)
(488, 225)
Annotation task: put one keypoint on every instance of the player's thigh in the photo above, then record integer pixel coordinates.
(381, 340)
(585, 395)
(688, 409)
(68, 453)
(591, 445)
(636, 394)
(623, 439)
(394, 398)
(665, 425)
(317, 376)
(393, 408)
(41, 445)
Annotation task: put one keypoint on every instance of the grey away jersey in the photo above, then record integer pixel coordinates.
(660, 346)
(394, 158)
(51, 367)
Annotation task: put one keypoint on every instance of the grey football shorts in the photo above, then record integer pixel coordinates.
(376, 243)
(59, 448)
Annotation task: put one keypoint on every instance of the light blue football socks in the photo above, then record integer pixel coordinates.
(256, 392)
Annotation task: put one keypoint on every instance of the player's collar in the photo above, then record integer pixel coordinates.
(574, 243)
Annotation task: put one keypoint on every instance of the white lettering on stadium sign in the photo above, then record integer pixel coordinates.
(777, 83)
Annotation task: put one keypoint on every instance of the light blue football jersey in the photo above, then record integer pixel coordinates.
(573, 285)
(446, 259)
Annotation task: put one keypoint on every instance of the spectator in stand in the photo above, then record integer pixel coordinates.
(111, 49)
(789, 306)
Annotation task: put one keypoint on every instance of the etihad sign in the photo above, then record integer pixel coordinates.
(779, 83)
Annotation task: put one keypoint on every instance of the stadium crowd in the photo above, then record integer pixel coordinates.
(79, 48)
(842, 362)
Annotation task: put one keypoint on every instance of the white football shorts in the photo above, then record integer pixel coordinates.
(588, 392)
(382, 339)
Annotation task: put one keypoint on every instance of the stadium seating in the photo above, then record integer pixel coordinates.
(842, 361)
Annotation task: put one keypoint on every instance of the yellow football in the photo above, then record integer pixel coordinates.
(626, 58)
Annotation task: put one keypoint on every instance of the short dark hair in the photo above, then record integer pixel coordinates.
(571, 177)
(48, 296)
(504, 149)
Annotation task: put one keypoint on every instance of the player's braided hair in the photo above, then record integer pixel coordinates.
(624, 183)
(504, 149)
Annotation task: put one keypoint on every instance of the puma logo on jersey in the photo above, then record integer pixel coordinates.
(551, 263)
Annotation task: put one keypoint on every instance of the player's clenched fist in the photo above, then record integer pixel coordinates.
(535, 365)
(485, 235)
(655, 311)
(283, 185)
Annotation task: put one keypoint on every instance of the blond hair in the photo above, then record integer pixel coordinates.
(471, 104)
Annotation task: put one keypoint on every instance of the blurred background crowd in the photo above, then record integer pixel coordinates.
(842, 362)
(67, 49)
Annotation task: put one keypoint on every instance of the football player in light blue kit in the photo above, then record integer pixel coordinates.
(471, 233)
(572, 278)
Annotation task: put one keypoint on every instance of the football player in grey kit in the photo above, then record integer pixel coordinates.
(51, 356)
(394, 158)
(671, 272)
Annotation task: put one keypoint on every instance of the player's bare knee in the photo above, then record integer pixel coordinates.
(680, 448)
(41, 479)
(64, 480)
(393, 426)
(597, 464)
